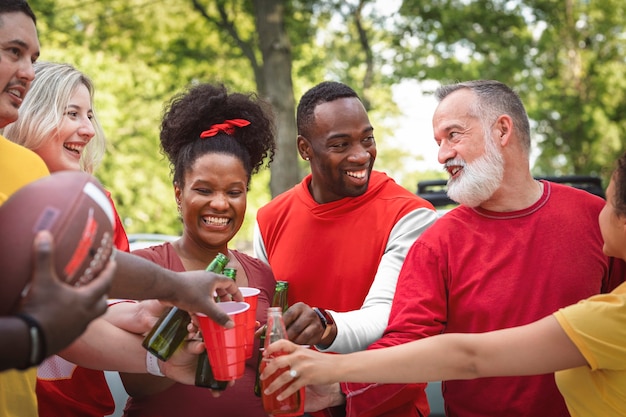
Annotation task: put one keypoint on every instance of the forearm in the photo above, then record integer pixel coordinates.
(139, 279)
(356, 330)
(432, 359)
(15, 344)
(103, 346)
(537, 348)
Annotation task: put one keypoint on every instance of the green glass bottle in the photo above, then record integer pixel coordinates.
(280, 295)
(204, 375)
(257, 381)
(171, 329)
(230, 273)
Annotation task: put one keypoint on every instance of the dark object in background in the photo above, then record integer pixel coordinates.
(435, 190)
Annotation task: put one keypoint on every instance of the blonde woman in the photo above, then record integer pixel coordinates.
(58, 122)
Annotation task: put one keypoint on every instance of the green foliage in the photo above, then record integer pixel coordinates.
(139, 54)
(566, 58)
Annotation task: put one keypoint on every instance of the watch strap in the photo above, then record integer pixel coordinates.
(37, 340)
(325, 318)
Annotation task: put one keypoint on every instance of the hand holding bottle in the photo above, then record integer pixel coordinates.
(170, 331)
(312, 369)
(274, 403)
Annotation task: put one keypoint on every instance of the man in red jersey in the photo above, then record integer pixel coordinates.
(340, 236)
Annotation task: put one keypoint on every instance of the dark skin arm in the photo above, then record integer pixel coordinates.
(140, 279)
(62, 311)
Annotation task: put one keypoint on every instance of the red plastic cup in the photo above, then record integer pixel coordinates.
(226, 348)
(250, 296)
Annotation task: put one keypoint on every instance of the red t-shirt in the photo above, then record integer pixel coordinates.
(476, 271)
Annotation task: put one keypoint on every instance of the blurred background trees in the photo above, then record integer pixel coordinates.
(566, 58)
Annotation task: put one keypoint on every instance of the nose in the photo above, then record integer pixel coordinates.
(219, 201)
(86, 129)
(26, 71)
(359, 155)
(445, 152)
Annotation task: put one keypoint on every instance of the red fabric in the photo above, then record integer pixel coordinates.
(455, 279)
(227, 127)
(190, 401)
(336, 268)
(119, 234)
(84, 392)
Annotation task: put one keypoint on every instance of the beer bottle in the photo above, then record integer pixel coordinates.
(291, 405)
(257, 381)
(280, 296)
(171, 329)
(204, 375)
(231, 273)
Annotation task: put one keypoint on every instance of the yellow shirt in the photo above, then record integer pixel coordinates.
(597, 326)
(18, 167)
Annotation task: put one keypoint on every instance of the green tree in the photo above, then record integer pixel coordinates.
(565, 58)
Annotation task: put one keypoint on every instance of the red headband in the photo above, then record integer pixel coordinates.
(227, 127)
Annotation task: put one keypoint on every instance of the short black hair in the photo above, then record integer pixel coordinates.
(197, 109)
(324, 92)
(12, 6)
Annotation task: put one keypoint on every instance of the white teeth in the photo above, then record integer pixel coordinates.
(358, 174)
(73, 147)
(15, 92)
(219, 221)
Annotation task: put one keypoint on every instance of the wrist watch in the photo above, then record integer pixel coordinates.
(325, 318)
(37, 341)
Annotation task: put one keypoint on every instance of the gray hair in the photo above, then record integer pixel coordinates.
(493, 100)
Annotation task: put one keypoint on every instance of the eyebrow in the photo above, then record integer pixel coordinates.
(77, 107)
(368, 129)
(23, 45)
(452, 125)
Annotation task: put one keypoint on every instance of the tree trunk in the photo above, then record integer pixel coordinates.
(276, 52)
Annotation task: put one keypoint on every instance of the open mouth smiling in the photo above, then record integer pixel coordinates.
(72, 147)
(453, 170)
(16, 92)
(357, 174)
(215, 221)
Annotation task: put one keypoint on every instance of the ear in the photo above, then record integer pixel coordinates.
(504, 128)
(304, 148)
(177, 193)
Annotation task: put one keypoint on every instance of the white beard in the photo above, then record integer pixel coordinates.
(479, 179)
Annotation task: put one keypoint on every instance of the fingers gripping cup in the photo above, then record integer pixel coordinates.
(226, 348)
(250, 296)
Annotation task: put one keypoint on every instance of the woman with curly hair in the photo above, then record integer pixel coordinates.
(215, 141)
